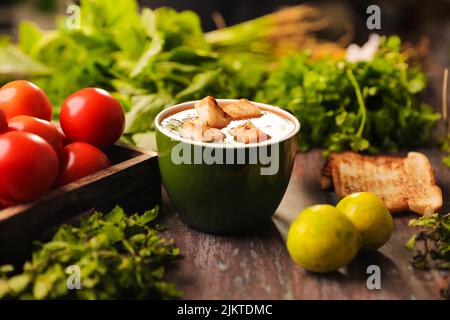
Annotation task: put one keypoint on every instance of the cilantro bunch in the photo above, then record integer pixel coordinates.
(119, 256)
(365, 106)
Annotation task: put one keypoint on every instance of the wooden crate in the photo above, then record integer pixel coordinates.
(132, 182)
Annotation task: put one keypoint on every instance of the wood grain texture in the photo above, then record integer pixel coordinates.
(132, 181)
(257, 266)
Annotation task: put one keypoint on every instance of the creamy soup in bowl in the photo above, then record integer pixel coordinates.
(225, 163)
(237, 129)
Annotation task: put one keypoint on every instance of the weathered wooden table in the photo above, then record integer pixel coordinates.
(258, 266)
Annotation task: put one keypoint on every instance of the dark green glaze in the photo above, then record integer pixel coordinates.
(224, 198)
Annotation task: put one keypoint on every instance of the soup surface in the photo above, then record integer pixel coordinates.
(271, 124)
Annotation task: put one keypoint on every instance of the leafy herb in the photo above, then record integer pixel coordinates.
(364, 106)
(431, 246)
(16, 64)
(119, 256)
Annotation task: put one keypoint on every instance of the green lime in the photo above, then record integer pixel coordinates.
(370, 217)
(322, 239)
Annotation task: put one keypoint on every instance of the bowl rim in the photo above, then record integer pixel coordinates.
(185, 105)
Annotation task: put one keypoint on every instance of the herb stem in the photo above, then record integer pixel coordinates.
(362, 108)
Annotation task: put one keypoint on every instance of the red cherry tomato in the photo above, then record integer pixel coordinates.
(42, 128)
(22, 97)
(3, 122)
(93, 116)
(28, 166)
(80, 160)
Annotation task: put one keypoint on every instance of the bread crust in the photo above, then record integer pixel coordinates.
(403, 183)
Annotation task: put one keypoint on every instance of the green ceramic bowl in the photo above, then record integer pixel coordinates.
(225, 188)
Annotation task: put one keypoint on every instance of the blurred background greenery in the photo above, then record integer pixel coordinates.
(178, 62)
(409, 18)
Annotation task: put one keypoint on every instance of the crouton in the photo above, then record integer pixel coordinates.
(211, 114)
(243, 109)
(195, 130)
(248, 133)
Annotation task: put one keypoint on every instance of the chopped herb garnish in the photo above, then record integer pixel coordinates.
(174, 124)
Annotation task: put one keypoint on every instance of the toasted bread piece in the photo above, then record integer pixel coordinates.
(195, 130)
(402, 183)
(248, 133)
(243, 109)
(211, 114)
